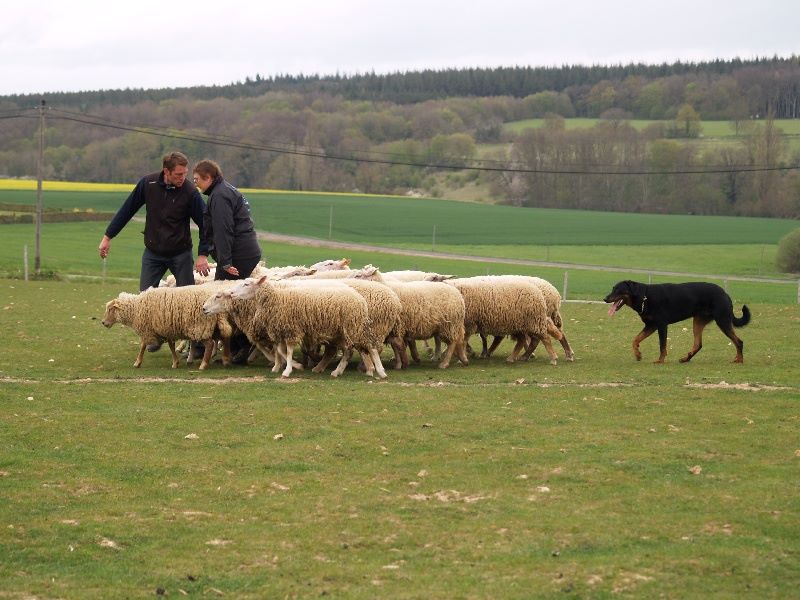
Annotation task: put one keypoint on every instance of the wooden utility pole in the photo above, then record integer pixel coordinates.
(39, 171)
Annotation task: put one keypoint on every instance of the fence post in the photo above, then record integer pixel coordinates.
(798, 291)
(25, 262)
(566, 281)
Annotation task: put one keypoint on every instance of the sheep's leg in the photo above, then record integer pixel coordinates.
(327, 357)
(412, 347)
(376, 360)
(346, 354)
(495, 343)
(209, 344)
(175, 359)
(138, 362)
(533, 341)
(226, 351)
(517, 348)
(548, 345)
(448, 354)
(461, 352)
(568, 352)
(289, 351)
(396, 344)
(484, 347)
(366, 360)
(280, 357)
(437, 354)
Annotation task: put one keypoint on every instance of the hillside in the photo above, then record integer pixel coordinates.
(446, 133)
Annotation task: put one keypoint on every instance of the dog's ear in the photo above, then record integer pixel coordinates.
(635, 288)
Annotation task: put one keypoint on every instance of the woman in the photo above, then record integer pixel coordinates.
(229, 229)
(229, 234)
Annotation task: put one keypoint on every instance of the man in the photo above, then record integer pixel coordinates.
(171, 201)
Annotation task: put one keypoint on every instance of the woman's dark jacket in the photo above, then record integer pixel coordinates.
(227, 224)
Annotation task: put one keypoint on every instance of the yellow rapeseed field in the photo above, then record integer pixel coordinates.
(64, 186)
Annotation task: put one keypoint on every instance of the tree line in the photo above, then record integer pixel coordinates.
(371, 132)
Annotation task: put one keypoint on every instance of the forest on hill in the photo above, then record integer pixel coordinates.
(430, 130)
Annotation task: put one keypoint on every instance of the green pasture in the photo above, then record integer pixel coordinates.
(71, 249)
(599, 478)
(715, 129)
(393, 221)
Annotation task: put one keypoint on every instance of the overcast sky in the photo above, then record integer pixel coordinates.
(53, 45)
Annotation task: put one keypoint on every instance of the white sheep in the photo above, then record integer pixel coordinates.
(385, 317)
(498, 306)
(553, 301)
(416, 276)
(332, 265)
(170, 314)
(289, 314)
(429, 309)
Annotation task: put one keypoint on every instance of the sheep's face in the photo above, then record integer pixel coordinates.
(110, 316)
(246, 288)
(217, 303)
(332, 265)
(367, 272)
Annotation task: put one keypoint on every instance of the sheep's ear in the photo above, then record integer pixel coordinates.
(262, 279)
(345, 261)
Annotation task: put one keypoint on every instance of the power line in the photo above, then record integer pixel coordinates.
(298, 150)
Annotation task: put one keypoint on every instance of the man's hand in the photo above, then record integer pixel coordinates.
(201, 265)
(105, 246)
(232, 270)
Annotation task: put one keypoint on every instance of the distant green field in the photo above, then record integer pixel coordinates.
(393, 220)
(71, 248)
(714, 129)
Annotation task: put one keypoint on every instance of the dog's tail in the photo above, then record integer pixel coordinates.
(745, 317)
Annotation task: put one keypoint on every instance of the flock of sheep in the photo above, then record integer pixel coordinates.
(329, 309)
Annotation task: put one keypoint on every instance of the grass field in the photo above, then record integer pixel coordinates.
(597, 478)
(715, 129)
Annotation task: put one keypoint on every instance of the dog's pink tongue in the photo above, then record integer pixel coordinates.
(614, 308)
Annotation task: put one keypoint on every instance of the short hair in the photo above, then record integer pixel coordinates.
(173, 159)
(208, 168)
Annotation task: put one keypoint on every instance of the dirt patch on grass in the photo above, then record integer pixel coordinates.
(747, 387)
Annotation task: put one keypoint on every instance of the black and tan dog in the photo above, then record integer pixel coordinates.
(658, 305)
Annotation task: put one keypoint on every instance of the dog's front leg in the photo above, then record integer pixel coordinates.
(643, 335)
(662, 344)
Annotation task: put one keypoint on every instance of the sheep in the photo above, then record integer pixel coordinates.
(416, 276)
(384, 309)
(498, 306)
(276, 273)
(332, 265)
(289, 314)
(553, 301)
(428, 309)
(170, 314)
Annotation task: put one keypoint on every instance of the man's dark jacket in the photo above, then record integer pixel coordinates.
(169, 208)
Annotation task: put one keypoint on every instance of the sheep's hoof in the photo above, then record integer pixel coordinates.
(317, 370)
(136, 365)
(554, 362)
(203, 366)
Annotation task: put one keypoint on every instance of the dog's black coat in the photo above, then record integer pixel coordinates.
(658, 305)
